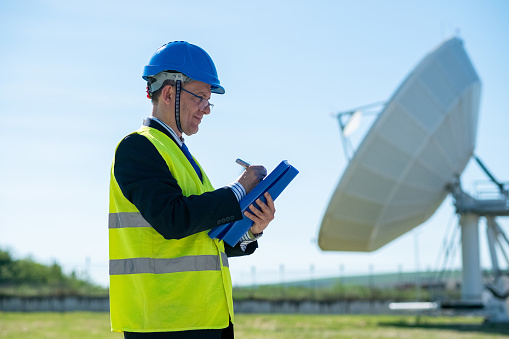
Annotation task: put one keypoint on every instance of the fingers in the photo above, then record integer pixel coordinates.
(267, 208)
(252, 177)
(270, 202)
(254, 214)
(256, 172)
(259, 171)
(262, 215)
(264, 211)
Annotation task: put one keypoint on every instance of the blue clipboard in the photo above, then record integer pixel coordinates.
(274, 183)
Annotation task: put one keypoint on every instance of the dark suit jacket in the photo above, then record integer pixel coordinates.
(146, 181)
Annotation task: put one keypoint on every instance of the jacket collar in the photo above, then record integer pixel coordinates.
(162, 127)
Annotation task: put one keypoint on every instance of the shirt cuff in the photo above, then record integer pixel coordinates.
(238, 190)
(248, 238)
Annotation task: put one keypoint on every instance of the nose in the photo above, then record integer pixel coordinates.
(205, 110)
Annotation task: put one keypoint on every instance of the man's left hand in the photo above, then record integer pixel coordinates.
(262, 216)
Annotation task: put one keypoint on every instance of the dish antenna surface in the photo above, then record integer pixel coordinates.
(419, 144)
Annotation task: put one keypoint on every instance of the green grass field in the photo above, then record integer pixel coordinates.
(269, 326)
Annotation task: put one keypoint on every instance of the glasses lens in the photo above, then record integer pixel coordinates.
(204, 104)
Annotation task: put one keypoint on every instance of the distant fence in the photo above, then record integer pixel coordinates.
(321, 286)
(53, 304)
(316, 278)
(101, 304)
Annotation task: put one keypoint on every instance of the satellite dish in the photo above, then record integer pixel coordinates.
(419, 144)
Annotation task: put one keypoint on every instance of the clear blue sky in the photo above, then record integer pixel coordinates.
(71, 88)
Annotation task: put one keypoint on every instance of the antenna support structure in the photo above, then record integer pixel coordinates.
(488, 205)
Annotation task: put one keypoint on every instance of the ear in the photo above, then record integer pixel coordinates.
(167, 95)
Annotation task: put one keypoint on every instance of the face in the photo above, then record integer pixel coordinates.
(190, 112)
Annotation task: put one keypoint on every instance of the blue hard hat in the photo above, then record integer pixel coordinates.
(185, 58)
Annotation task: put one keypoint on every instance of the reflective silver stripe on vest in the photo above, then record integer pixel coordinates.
(127, 219)
(173, 265)
(224, 258)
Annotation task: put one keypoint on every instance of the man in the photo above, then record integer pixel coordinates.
(168, 278)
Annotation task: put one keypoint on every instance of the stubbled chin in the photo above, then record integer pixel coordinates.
(194, 130)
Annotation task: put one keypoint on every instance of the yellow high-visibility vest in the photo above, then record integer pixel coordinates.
(159, 285)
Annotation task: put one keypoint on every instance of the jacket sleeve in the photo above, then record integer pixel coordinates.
(146, 181)
(237, 251)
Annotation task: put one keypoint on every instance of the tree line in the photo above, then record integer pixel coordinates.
(28, 277)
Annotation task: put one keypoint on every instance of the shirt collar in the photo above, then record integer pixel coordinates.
(178, 140)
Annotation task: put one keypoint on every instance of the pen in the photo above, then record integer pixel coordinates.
(242, 163)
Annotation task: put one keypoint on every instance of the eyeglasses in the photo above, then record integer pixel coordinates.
(203, 103)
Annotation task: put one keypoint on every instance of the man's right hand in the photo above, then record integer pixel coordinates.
(252, 177)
